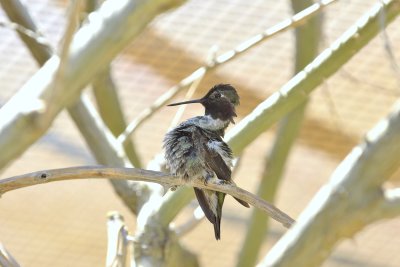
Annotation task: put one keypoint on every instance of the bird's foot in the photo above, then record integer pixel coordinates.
(207, 178)
(223, 182)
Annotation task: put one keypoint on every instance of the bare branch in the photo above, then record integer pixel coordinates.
(109, 30)
(72, 25)
(136, 174)
(350, 201)
(107, 99)
(108, 151)
(307, 43)
(295, 21)
(98, 137)
(300, 86)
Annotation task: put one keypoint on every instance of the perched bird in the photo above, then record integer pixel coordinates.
(195, 148)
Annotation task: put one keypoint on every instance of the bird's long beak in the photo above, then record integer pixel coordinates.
(186, 102)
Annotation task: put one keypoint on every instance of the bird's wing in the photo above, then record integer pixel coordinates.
(214, 158)
(215, 161)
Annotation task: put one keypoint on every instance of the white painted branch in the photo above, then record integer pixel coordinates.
(26, 116)
(300, 86)
(351, 200)
(98, 137)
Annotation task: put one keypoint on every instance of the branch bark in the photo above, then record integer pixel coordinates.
(296, 91)
(98, 137)
(351, 200)
(135, 174)
(104, 146)
(354, 196)
(111, 28)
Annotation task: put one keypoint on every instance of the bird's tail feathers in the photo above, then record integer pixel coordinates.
(211, 203)
(244, 203)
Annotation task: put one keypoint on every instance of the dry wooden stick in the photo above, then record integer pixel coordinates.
(85, 172)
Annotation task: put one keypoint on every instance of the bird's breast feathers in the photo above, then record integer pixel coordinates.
(184, 147)
(209, 123)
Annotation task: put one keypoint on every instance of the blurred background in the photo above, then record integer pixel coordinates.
(64, 223)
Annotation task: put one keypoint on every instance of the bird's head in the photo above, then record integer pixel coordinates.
(219, 102)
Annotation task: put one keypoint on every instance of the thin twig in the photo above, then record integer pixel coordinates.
(135, 174)
(295, 21)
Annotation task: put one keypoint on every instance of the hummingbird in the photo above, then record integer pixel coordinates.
(195, 149)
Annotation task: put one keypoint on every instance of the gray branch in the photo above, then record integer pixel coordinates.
(135, 174)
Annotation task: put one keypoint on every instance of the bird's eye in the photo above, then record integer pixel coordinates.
(217, 95)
